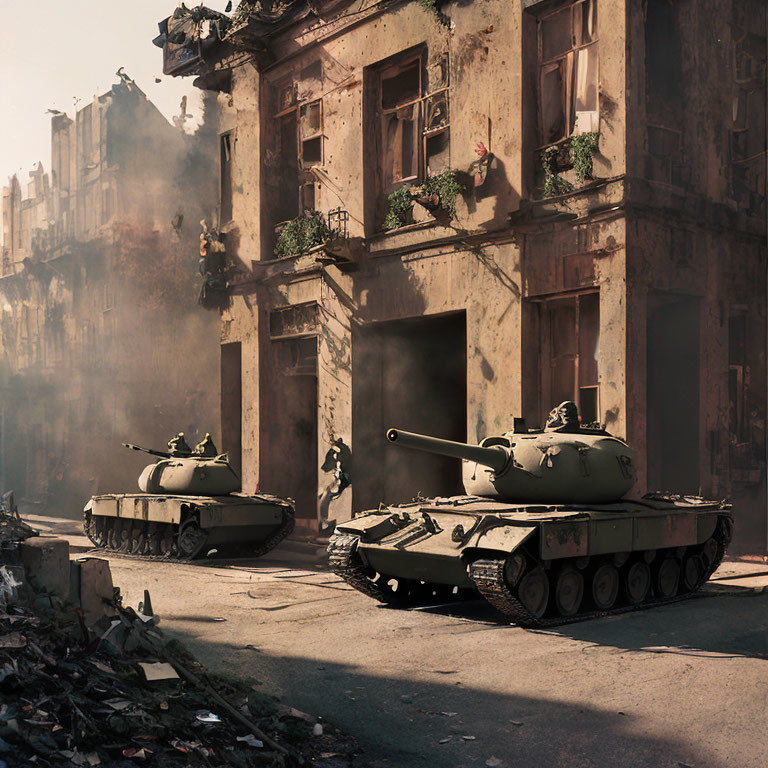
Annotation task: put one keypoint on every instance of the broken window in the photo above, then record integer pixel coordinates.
(226, 145)
(298, 109)
(572, 345)
(310, 134)
(663, 60)
(293, 321)
(568, 59)
(413, 119)
(288, 169)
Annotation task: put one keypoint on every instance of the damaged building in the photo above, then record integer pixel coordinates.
(101, 335)
(441, 216)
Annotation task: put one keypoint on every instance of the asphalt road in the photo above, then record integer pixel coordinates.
(681, 685)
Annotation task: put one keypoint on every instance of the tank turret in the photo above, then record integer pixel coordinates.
(181, 470)
(562, 463)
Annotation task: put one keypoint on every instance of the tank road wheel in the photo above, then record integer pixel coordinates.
(125, 535)
(167, 540)
(191, 538)
(569, 591)
(95, 529)
(113, 541)
(709, 552)
(605, 587)
(637, 582)
(693, 570)
(667, 577)
(137, 538)
(153, 540)
(533, 591)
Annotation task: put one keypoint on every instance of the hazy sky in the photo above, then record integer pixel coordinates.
(55, 51)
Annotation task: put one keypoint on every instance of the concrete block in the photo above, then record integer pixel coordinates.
(46, 563)
(95, 589)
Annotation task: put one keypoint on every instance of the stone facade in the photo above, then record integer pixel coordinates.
(636, 287)
(101, 337)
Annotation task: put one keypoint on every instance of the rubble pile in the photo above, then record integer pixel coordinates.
(12, 528)
(115, 692)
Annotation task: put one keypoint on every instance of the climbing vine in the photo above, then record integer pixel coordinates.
(554, 184)
(399, 212)
(583, 148)
(433, 7)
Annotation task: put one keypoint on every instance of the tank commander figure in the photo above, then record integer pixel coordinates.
(206, 447)
(564, 418)
(178, 446)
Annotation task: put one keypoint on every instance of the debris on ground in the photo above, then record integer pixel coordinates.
(12, 528)
(116, 692)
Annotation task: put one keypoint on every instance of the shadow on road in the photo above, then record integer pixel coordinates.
(406, 723)
(733, 622)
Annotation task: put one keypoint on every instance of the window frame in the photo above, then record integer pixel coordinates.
(566, 60)
(420, 104)
(288, 101)
(549, 361)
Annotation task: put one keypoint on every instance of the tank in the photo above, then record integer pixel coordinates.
(190, 505)
(545, 533)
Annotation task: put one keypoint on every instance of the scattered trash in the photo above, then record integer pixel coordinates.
(207, 717)
(13, 640)
(468, 738)
(445, 741)
(114, 692)
(158, 670)
(251, 740)
(494, 762)
(516, 723)
(449, 714)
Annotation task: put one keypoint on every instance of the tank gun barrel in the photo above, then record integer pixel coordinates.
(494, 457)
(153, 452)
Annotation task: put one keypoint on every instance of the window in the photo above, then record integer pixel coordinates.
(571, 330)
(226, 142)
(568, 102)
(298, 112)
(412, 119)
(663, 62)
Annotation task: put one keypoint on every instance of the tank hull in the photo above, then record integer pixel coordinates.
(538, 564)
(183, 527)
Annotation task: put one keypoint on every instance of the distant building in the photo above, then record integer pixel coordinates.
(101, 337)
(609, 246)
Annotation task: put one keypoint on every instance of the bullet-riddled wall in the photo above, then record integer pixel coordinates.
(570, 270)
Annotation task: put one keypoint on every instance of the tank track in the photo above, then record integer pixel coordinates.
(344, 561)
(488, 575)
(278, 536)
(171, 551)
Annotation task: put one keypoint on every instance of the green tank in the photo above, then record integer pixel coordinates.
(544, 532)
(190, 505)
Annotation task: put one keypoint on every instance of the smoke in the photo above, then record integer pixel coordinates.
(106, 343)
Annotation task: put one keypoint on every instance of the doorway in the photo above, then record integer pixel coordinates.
(673, 393)
(412, 375)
